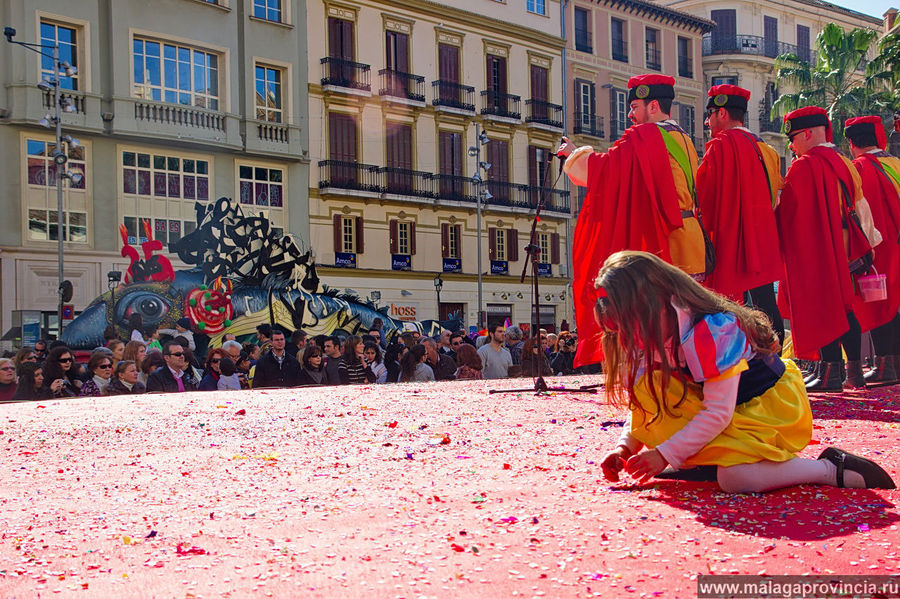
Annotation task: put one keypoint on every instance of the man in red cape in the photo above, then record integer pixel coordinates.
(737, 185)
(639, 197)
(880, 173)
(817, 248)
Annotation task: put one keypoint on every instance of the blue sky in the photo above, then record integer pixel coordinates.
(875, 8)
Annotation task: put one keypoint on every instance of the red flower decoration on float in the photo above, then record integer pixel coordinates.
(210, 309)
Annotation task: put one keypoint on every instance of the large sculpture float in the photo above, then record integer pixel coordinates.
(242, 275)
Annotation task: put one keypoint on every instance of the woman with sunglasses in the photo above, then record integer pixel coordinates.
(100, 369)
(125, 380)
(7, 379)
(57, 378)
(210, 381)
(26, 354)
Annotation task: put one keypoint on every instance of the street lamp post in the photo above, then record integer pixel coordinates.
(60, 156)
(438, 285)
(478, 178)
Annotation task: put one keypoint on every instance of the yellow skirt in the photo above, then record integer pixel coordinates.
(774, 426)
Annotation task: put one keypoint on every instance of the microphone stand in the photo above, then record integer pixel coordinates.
(532, 250)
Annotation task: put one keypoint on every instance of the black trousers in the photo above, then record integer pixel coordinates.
(851, 342)
(886, 338)
(763, 298)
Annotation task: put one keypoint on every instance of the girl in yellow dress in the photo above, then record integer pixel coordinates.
(705, 386)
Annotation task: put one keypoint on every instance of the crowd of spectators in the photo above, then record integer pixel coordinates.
(146, 364)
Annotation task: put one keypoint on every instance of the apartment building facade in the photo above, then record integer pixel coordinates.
(174, 102)
(406, 98)
(750, 34)
(610, 41)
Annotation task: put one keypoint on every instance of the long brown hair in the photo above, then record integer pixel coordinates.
(639, 323)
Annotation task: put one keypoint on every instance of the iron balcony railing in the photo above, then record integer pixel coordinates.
(588, 124)
(398, 84)
(500, 104)
(685, 67)
(341, 72)
(454, 187)
(407, 182)
(344, 174)
(653, 60)
(453, 95)
(516, 195)
(542, 112)
(619, 50)
(753, 45)
(583, 41)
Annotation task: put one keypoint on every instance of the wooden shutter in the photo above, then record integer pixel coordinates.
(492, 243)
(342, 137)
(359, 235)
(340, 38)
(459, 243)
(554, 248)
(412, 238)
(538, 83)
(394, 235)
(726, 27)
(501, 63)
(498, 156)
(533, 166)
(512, 245)
(397, 51)
(448, 63)
(338, 233)
(445, 240)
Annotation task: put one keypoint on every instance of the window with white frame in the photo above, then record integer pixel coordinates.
(544, 244)
(452, 242)
(536, 6)
(500, 244)
(67, 39)
(165, 176)
(403, 235)
(176, 74)
(586, 104)
(621, 113)
(261, 186)
(269, 103)
(166, 230)
(40, 203)
(269, 10)
(348, 234)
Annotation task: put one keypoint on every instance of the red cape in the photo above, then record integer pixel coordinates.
(885, 205)
(736, 205)
(631, 204)
(816, 287)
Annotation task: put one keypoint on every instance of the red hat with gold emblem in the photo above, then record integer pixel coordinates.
(727, 96)
(651, 87)
(863, 125)
(807, 118)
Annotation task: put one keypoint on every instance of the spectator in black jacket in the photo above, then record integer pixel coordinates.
(562, 361)
(332, 351)
(443, 365)
(170, 378)
(352, 367)
(276, 368)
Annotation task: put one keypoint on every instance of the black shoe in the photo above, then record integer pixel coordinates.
(829, 380)
(855, 377)
(873, 474)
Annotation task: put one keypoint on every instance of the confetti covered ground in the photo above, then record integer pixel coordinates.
(416, 490)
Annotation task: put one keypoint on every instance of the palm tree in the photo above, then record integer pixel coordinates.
(884, 71)
(832, 82)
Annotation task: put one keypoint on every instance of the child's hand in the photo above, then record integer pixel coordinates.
(645, 465)
(613, 463)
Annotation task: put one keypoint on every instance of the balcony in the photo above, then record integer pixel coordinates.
(543, 113)
(455, 188)
(406, 182)
(340, 72)
(685, 67)
(588, 124)
(619, 50)
(158, 113)
(397, 84)
(583, 41)
(273, 132)
(499, 104)
(753, 45)
(67, 97)
(341, 174)
(451, 94)
(526, 197)
(652, 58)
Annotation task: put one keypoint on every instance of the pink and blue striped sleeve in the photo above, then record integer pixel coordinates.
(714, 345)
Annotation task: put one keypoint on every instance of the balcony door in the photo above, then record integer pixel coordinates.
(770, 34)
(342, 149)
(498, 176)
(396, 53)
(496, 83)
(724, 36)
(448, 75)
(340, 50)
(450, 155)
(539, 94)
(398, 137)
